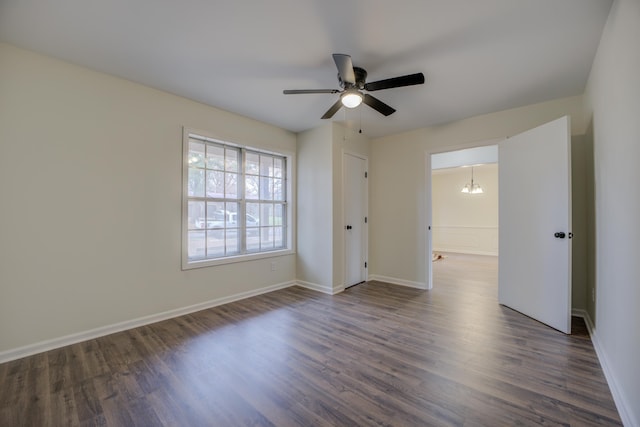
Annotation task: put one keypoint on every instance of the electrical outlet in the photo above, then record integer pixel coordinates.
(273, 266)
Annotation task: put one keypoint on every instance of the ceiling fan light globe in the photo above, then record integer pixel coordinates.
(351, 99)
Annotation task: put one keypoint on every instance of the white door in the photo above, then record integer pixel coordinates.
(534, 275)
(355, 216)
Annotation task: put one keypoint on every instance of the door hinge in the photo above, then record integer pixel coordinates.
(365, 264)
(365, 219)
(366, 175)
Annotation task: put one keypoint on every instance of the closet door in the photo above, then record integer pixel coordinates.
(355, 218)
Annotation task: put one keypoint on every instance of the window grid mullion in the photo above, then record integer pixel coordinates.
(242, 209)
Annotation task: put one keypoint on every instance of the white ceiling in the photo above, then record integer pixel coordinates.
(478, 56)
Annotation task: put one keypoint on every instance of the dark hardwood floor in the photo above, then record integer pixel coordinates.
(377, 354)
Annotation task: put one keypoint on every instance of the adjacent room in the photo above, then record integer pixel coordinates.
(225, 213)
(464, 221)
(464, 201)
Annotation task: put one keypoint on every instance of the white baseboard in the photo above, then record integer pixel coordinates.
(319, 288)
(622, 404)
(396, 281)
(42, 346)
(466, 252)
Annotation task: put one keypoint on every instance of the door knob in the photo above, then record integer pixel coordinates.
(560, 235)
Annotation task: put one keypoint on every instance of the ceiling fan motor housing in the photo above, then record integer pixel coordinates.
(361, 78)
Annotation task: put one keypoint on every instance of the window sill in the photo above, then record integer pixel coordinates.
(189, 265)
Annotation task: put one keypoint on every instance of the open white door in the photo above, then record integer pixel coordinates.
(534, 275)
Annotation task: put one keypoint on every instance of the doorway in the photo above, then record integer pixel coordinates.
(464, 203)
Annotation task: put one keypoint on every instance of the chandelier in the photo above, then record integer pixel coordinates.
(472, 188)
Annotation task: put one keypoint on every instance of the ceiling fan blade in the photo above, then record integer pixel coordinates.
(408, 80)
(378, 105)
(345, 67)
(299, 91)
(334, 109)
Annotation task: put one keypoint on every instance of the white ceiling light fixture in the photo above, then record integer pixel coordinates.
(351, 98)
(472, 188)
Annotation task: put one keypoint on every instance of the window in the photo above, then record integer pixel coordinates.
(235, 202)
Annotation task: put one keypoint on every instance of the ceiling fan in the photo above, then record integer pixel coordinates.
(353, 81)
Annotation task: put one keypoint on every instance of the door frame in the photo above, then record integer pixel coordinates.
(429, 190)
(365, 229)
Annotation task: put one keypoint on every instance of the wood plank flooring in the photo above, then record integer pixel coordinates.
(377, 354)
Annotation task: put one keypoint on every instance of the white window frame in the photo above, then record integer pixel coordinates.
(289, 231)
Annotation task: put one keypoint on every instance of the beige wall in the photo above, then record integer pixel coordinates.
(613, 106)
(321, 204)
(315, 209)
(465, 223)
(590, 225)
(580, 175)
(90, 183)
